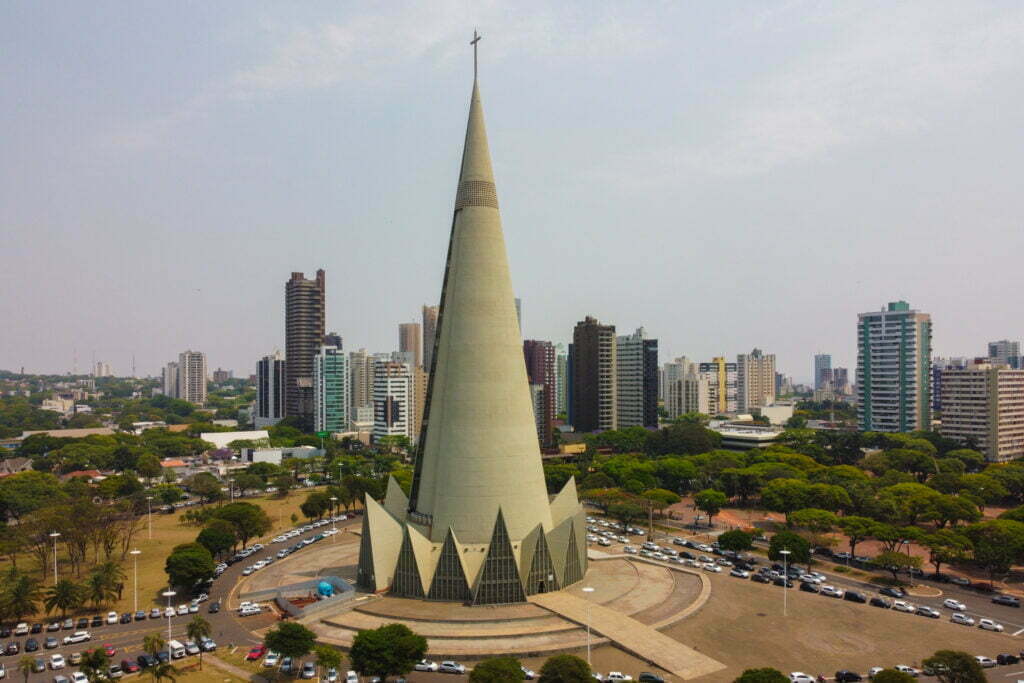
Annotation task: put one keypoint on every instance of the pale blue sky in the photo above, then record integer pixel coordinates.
(728, 175)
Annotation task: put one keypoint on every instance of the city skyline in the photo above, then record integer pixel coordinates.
(251, 151)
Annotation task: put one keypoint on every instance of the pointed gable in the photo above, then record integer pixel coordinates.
(449, 577)
(499, 580)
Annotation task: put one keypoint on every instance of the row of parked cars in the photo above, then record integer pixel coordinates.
(848, 676)
(306, 528)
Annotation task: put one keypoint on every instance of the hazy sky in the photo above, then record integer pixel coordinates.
(728, 175)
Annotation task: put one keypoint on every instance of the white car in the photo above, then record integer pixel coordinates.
(800, 677)
(989, 625)
(617, 676)
(351, 677)
(271, 660)
(875, 670)
(425, 665)
(169, 612)
(56, 662)
(959, 618)
(330, 676)
(986, 662)
(931, 612)
(831, 591)
(77, 637)
(903, 606)
(450, 667)
(909, 670)
(111, 617)
(954, 604)
(21, 629)
(182, 610)
(247, 571)
(740, 573)
(79, 677)
(709, 567)
(629, 550)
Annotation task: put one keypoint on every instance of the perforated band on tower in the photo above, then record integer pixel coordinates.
(476, 193)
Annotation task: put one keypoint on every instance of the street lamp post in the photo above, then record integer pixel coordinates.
(785, 579)
(55, 535)
(169, 594)
(334, 516)
(588, 590)
(149, 515)
(135, 555)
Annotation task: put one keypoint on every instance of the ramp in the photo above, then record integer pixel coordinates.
(629, 634)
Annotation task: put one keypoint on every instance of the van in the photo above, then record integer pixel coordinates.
(177, 649)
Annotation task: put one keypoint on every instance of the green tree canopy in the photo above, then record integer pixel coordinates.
(249, 520)
(189, 564)
(497, 670)
(954, 666)
(710, 502)
(763, 675)
(896, 562)
(799, 548)
(736, 540)
(892, 676)
(565, 669)
(291, 639)
(391, 650)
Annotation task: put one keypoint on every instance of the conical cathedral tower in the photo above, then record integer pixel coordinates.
(478, 526)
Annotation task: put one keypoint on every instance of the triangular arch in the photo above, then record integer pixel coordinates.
(449, 581)
(407, 583)
(541, 577)
(499, 579)
(573, 570)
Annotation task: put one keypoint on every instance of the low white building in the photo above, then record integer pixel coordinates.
(277, 455)
(777, 413)
(222, 439)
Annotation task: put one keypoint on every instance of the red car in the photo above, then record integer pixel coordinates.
(130, 666)
(109, 650)
(256, 652)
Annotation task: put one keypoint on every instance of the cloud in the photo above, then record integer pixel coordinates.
(873, 72)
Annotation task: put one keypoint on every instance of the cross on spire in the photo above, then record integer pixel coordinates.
(476, 39)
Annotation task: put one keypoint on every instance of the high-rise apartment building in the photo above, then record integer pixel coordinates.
(393, 400)
(101, 369)
(409, 342)
(192, 377)
(429, 335)
(269, 408)
(220, 375)
(594, 376)
(939, 364)
(686, 390)
(305, 310)
(893, 369)
(333, 339)
(561, 380)
(170, 380)
(722, 381)
(841, 380)
(983, 408)
(1004, 351)
(637, 377)
(755, 380)
(361, 385)
(540, 371)
(331, 389)
(822, 370)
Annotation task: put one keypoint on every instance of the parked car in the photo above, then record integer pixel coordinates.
(155, 613)
(809, 587)
(425, 665)
(954, 605)
(308, 670)
(959, 618)
(146, 660)
(286, 665)
(114, 671)
(786, 583)
(903, 606)
(648, 677)
(931, 612)
(845, 676)
(989, 625)
(909, 670)
(450, 667)
(57, 661)
(31, 645)
(1007, 658)
(256, 652)
(50, 643)
(1007, 601)
(111, 617)
(130, 667)
(272, 659)
(740, 573)
(831, 591)
(140, 616)
(801, 677)
(75, 659)
(880, 602)
(618, 676)
(77, 637)
(96, 621)
(892, 592)
(986, 662)
(854, 596)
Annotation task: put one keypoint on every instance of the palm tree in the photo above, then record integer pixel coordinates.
(95, 665)
(153, 643)
(162, 671)
(196, 630)
(98, 591)
(64, 596)
(22, 595)
(25, 665)
(112, 573)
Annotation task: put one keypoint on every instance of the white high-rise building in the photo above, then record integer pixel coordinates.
(755, 380)
(394, 393)
(1004, 351)
(637, 377)
(686, 389)
(561, 380)
(893, 369)
(192, 377)
(361, 384)
(101, 369)
(170, 383)
(722, 380)
(822, 369)
(331, 390)
(983, 407)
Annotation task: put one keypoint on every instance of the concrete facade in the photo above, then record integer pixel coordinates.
(983, 407)
(755, 380)
(594, 376)
(305, 309)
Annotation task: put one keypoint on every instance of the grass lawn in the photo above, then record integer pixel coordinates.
(167, 533)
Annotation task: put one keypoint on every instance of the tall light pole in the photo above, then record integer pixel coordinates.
(55, 535)
(149, 515)
(169, 594)
(135, 555)
(588, 590)
(334, 523)
(785, 579)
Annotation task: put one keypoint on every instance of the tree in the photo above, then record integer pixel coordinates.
(66, 595)
(160, 671)
(95, 665)
(284, 483)
(710, 502)
(291, 640)
(153, 643)
(682, 438)
(391, 650)
(148, 466)
(98, 590)
(248, 481)
(218, 536)
(896, 562)
(945, 546)
(799, 548)
(22, 594)
(786, 495)
(327, 657)
(198, 629)
(660, 498)
(249, 520)
(736, 540)
(25, 665)
(189, 564)
(857, 529)
(814, 520)
(954, 666)
(998, 544)
(497, 670)
(206, 486)
(892, 676)
(764, 675)
(316, 504)
(626, 510)
(565, 669)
